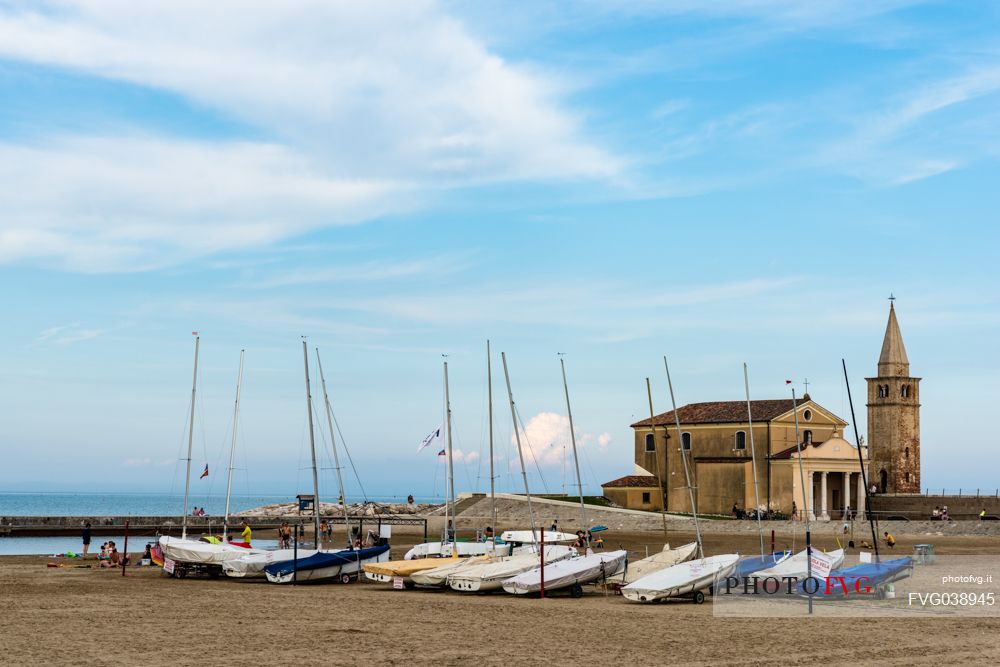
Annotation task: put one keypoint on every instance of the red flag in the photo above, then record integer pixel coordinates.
(788, 381)
(442, 453)
(204, 474)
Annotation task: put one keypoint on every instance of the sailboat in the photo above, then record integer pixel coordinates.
(690, 577)
(658, 561)
(577, 570)
(323, 565)
(389, 571)
(798, 565)
(490, 576)
(182, 555)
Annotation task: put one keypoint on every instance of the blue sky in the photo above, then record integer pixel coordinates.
(614, 181)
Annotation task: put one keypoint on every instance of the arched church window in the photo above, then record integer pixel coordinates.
(906, 453)
(650, 443)
(904, 391)
(807, 437)
(741, 440)
(685, 441)
(883, 391)
(884, 481)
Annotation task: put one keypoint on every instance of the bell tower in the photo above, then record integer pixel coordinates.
(894, 417)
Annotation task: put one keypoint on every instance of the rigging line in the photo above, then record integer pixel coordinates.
(531, 450)
(350, 458)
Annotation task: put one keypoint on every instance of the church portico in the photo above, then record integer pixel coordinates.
(829, 469)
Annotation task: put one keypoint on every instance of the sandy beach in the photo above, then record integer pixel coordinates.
(77, 616)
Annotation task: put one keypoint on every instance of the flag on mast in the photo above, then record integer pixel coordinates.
(434, 435)
(205, 473)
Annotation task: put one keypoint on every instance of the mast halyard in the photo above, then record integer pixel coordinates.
(576, 458)
(805, 501)
(187, 476)
(517, 436)
(687, 472)
(489, 392)
(333, 444)
(312, 444)
(232, 451)
(753, 458)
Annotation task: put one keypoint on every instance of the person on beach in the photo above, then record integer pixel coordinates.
(86, 538)
(323, 526)
(488, 533)
(982, 517)
(247, 533)
(555, 525)
(890, 541)
(795, 512)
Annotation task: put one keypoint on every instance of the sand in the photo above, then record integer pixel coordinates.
(71, 616)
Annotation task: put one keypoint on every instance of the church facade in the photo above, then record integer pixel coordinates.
(719, 441)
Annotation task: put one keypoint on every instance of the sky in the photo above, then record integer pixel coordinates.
(717, 183)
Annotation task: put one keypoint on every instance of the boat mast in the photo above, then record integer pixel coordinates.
(687, 472)
(333, 444)
(576, 459)
(312, 442)
(753, 458)
(451, 466)
(232, 451)
(187, 477)
(805, 501)
(861, 461)
(517, 436)
(489, 391)
(656, 456)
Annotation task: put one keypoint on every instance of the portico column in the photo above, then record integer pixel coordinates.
(861, 496)
(847, 493)
(810, 498)
(822, 489)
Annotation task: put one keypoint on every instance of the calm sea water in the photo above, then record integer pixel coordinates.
(47, 546)
(122, 504)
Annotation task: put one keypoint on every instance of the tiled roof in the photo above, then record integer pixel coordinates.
(632, 481)
(720, 412)
(787, 453)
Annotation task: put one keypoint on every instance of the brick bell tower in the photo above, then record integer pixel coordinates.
(894, 417)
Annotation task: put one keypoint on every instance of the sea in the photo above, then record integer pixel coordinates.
(86, 505)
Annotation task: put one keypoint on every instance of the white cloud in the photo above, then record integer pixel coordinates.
(546, 440)
(360, 103)
(67, 334)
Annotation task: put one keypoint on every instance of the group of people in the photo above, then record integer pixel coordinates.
(198, 511)
(109, 556)
(941, 514)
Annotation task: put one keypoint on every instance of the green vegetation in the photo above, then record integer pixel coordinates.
(599, 501)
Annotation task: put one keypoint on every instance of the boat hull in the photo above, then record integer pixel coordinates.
(570, 572)
(325, 566)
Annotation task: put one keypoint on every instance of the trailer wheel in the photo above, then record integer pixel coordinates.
(181, 572)
(576, 591)
(345, 578)
(699, 597)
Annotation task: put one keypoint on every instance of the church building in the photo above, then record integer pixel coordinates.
(717, 438)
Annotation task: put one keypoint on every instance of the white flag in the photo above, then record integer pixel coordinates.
(434, 435)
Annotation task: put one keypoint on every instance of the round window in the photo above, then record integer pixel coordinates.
(807, 415)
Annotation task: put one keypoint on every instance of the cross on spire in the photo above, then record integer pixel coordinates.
(807, 385)
(892, 299)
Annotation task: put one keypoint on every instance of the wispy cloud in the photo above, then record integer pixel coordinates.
(67, 334)
(381, 271)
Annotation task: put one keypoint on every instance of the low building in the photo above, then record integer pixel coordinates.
(640, 490)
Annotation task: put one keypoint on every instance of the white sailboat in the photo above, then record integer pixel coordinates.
(181, 554)
(798, 565)
(490, 576)
(571, 573)
(688, 577)
(658, 561)
(319, 565)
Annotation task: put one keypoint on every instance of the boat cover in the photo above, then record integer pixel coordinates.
(324, 559)
(253, 564)
(660, 561)
(565, 573)
(425, 549)
(438, 576)
(693, 575)
(797, 565)
(529, 536)
(751, 564)
(404, 568)
(195, 551)
(865, 574)
(491, 575)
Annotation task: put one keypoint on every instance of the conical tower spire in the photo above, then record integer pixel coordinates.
(893, 362)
